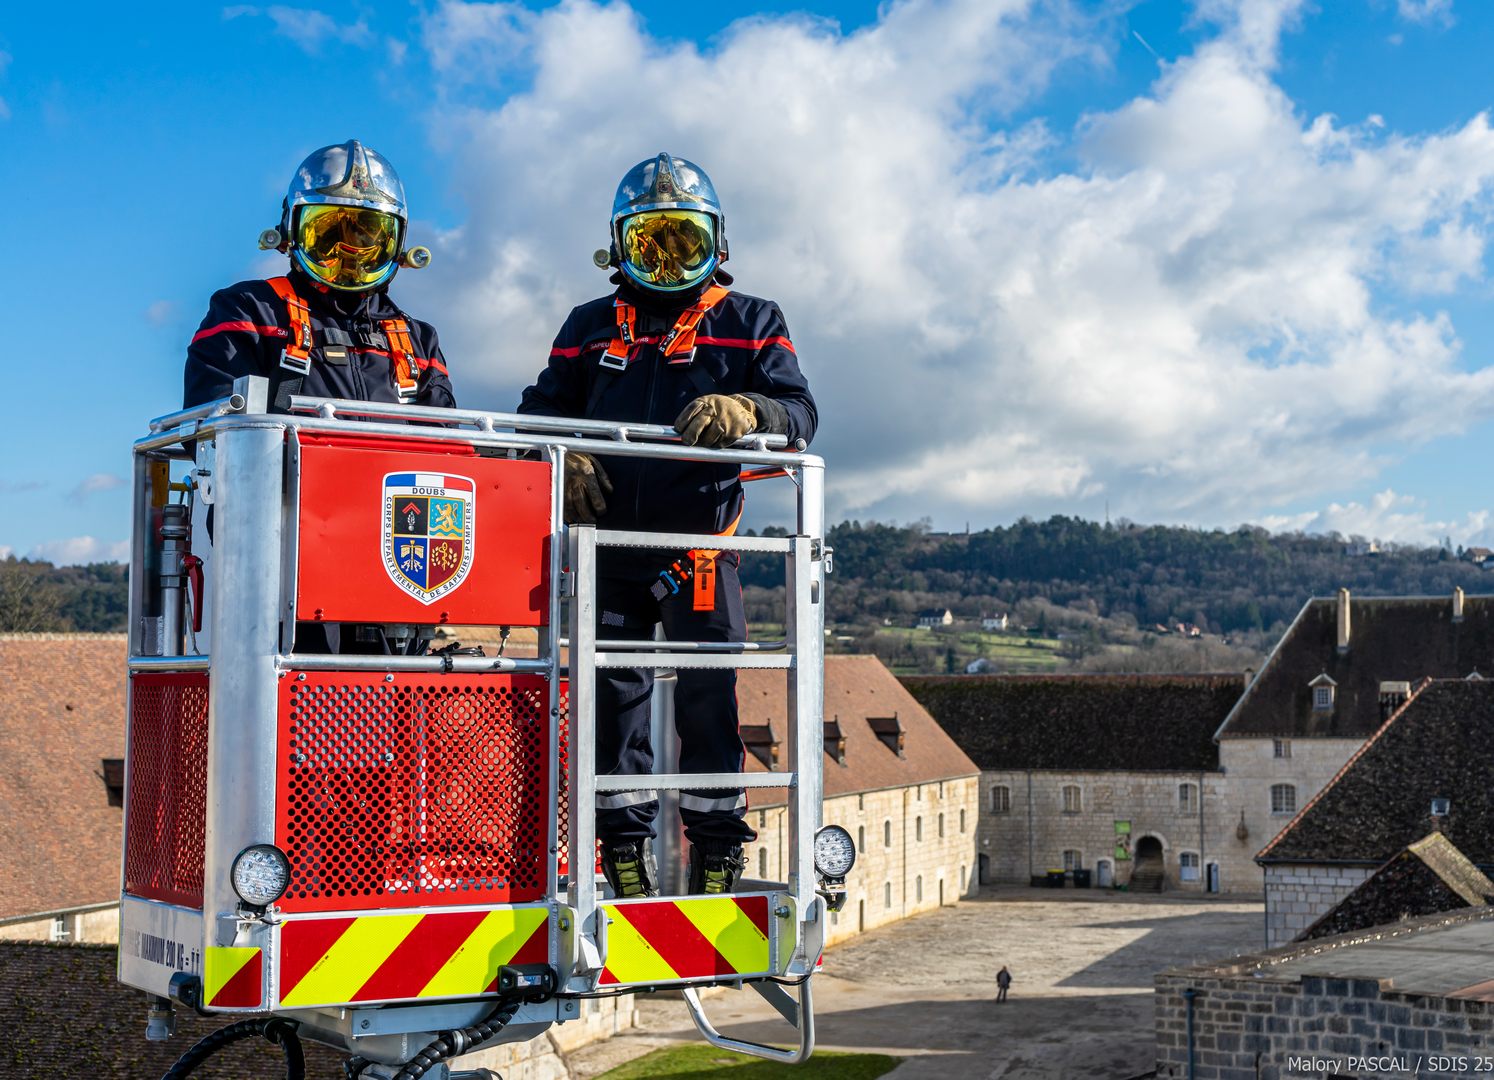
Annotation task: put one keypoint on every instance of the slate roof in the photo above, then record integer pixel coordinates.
(1439, 744)
(1102, 723)
(1392, 639)
(62, 712)
(1428, 877)
(64, 1015)
(859, 690)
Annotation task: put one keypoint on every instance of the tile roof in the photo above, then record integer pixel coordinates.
(1437, 745)
(1392, 639)
(1429, 876)
(1083, 722)
(859, 692)
(64, 1015)
(62, 712)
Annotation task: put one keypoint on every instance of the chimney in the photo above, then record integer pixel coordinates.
(1458, 604)
(1343, 621)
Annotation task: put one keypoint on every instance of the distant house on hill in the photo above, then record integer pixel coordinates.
(62, 737)
(1479, 556)
(1426, 769)
(1428, 877)
(930, 618)
(893, 778)
(1339, 670)
(994, 623)
(1116, 775)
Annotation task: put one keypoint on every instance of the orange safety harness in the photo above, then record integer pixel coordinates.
(677, 346)
(296, 357)
(697, 565)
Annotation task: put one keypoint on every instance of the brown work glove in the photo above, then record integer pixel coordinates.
(585, 485)
(717, 420)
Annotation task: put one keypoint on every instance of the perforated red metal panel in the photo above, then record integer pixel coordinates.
(420, 791)
(167, 799)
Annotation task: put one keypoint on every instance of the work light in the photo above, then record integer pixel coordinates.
(260, 874)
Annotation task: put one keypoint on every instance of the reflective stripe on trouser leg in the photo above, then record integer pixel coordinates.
(715, 803)
(618, 800)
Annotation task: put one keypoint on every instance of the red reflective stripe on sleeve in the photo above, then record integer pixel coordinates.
(570, 353)
(244, 327)
(747, 343)
(424, 363)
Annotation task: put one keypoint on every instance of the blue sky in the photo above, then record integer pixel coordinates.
(143, 153)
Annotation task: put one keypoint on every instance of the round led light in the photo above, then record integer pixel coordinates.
(834, 852)
(260, 874)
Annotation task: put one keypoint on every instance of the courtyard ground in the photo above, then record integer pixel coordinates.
(923, 989)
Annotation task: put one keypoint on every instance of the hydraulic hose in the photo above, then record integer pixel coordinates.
(274, 1029)
(456, 1043)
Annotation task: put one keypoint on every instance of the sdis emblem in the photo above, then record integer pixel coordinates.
(429, 522)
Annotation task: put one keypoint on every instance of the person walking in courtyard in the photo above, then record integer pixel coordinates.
(1003, 983)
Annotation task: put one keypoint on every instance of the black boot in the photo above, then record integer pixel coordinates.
(629, 869)
(714, 867)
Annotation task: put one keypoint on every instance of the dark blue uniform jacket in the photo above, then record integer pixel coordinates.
(742, 346)
(247, 326)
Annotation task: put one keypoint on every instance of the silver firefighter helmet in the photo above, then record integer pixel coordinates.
(352, 249)
(668, 229)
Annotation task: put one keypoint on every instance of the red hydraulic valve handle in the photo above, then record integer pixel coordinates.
(193, 566)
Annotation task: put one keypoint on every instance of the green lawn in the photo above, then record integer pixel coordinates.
(701, 1062)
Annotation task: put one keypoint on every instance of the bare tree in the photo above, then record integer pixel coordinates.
(29, 602)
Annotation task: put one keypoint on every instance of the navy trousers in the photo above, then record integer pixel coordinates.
(705, 700)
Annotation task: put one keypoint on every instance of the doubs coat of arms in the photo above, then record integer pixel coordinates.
(429, 522)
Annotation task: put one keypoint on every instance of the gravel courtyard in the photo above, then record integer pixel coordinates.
(924, 989)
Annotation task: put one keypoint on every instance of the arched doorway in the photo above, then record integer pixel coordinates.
(1150, 872)
(983, 869)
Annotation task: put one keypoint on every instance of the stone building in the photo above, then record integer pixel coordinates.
(1411, 999)
(1425, 769)
(1332, 679)
(62, 705)
(893, 779)
(1116, 775)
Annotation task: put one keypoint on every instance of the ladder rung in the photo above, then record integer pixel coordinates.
(623, 538)
(690, 660)
(623, 645)
(703, 781)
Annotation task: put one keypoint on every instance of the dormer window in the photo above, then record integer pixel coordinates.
(1392, 696)
(759, 741)
(113, 774)
(1322, 693)
(835, 741)
(890, 730)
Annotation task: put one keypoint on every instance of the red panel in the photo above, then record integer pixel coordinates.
(418, 792)
(246, 989)
(167, 798)
(473, 548)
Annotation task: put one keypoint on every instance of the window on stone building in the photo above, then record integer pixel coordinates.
(1073, 799)
(1188, 866)
(762, 863)
(860, 839)
(1281, 748)
(887, 895)
(1322, 698)
(962, 879)
(1283, 799)
(886, 834)
(59, 928)
(1001, 799)
(962, 820)
(1186, 802)
(918, 889)
(941, 825)
(1072, 860)
(918, 829)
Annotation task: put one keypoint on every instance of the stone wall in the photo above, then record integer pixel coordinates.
(905, 862)
(1033, 834)
(94, 925)
(1298, 895)
(1251, 767)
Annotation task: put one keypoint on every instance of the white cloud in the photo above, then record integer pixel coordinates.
(161, 312)
(81, 549)
(1426, 11)
(1388, 517)
(310, 29)
(1190, 321)
(96, 483)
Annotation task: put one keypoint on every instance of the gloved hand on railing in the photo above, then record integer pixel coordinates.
(586, 486)
(714, 420)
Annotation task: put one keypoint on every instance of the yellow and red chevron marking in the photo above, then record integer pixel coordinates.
(233, 978)
(701, 937)
(406, 956)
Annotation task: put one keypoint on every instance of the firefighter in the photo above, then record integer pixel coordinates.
(672, 345)
(328, 327)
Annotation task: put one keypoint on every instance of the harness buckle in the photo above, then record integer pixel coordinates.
(300, 365)
(612, 361)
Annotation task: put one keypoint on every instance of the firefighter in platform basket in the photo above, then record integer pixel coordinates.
(328, 328)
(673, 344)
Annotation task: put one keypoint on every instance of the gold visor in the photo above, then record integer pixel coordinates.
(348, 247)
(669, 249)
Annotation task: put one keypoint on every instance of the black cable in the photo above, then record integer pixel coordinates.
(273, 1030)
(354, 1067)
(456, 1043)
